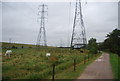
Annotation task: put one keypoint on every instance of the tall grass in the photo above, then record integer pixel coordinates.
(32, 63)
(115, 67)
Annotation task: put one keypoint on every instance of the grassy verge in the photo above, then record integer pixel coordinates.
(70, 74)
(114, 60)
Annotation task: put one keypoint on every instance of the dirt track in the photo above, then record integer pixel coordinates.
(99, 69)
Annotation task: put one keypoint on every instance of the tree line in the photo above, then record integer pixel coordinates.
(110, 44)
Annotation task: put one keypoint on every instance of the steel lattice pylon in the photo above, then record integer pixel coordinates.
(41, 40)
(78, 35)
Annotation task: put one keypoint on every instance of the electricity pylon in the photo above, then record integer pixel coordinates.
(78, 39)
(42, 16)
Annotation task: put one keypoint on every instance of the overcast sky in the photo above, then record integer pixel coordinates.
(19, 21)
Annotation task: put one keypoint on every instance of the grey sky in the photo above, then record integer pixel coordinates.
(19, 21)
(0, 21)
(119, 15)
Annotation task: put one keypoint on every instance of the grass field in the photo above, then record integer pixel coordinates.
(10, 45)
(114, 60)
(70, 74)
(32, 63)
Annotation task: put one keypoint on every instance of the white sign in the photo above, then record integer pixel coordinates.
(48, 54)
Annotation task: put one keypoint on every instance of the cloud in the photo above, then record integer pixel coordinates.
(19, 21)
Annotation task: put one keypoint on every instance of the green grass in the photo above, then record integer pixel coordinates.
(114, 60)
(25, 62)
(70, 74)
(31, 63)
(18, 45)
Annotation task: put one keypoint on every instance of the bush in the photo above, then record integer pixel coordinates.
(93, 50)
(92, 46)
(22, 47)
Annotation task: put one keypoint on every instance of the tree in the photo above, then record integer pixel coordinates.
(112, 42)
(92, 45)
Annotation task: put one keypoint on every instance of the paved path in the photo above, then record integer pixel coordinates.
(99, 69)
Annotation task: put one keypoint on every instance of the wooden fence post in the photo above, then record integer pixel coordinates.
(74, 64)
(53, 73)
(88, 57)
(84, 59)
